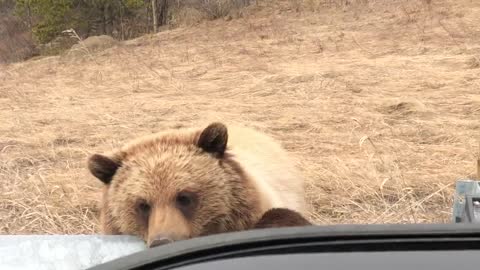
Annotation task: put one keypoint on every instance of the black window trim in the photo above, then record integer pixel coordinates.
(332, 238)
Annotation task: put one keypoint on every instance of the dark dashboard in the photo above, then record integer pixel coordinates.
(420, 246)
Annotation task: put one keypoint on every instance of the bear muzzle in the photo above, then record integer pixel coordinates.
(166, 225)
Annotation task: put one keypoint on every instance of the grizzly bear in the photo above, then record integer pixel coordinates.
(182, 183)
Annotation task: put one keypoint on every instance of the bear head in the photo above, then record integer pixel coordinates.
(174, 186)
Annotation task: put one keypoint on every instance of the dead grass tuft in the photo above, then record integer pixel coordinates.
(473, 62)
(192, 12)
(187, 16)
(405, 107)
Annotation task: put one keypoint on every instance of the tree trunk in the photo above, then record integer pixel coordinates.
(29, 16)
(154, 15)
(104, 20)
(147, 17)
(109, 19)
(122, 33)
(163, 12)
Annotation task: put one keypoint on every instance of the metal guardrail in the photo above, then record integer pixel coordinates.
(63, 252)
(466, 206)
(75, 252)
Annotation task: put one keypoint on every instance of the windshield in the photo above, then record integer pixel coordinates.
(169, 120)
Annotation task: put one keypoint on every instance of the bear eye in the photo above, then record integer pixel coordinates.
(143, 208)
(186, 202)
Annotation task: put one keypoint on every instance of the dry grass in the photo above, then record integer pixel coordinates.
(380, 102)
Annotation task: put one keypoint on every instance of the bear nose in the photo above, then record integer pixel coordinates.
(160, 240)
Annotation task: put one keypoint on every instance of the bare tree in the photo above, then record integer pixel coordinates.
(159, 13)
(154, 15)
(162, 12)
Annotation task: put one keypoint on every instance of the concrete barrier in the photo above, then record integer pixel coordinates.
(66, 252)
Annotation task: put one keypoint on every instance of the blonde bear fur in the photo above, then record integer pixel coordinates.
(179, 184)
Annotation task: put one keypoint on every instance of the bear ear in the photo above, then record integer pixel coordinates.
(102, 167)
(213, 139)
(281, 217)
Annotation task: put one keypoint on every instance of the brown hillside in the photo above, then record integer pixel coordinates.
(380, 102)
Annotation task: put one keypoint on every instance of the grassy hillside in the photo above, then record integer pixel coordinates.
(380, 103)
